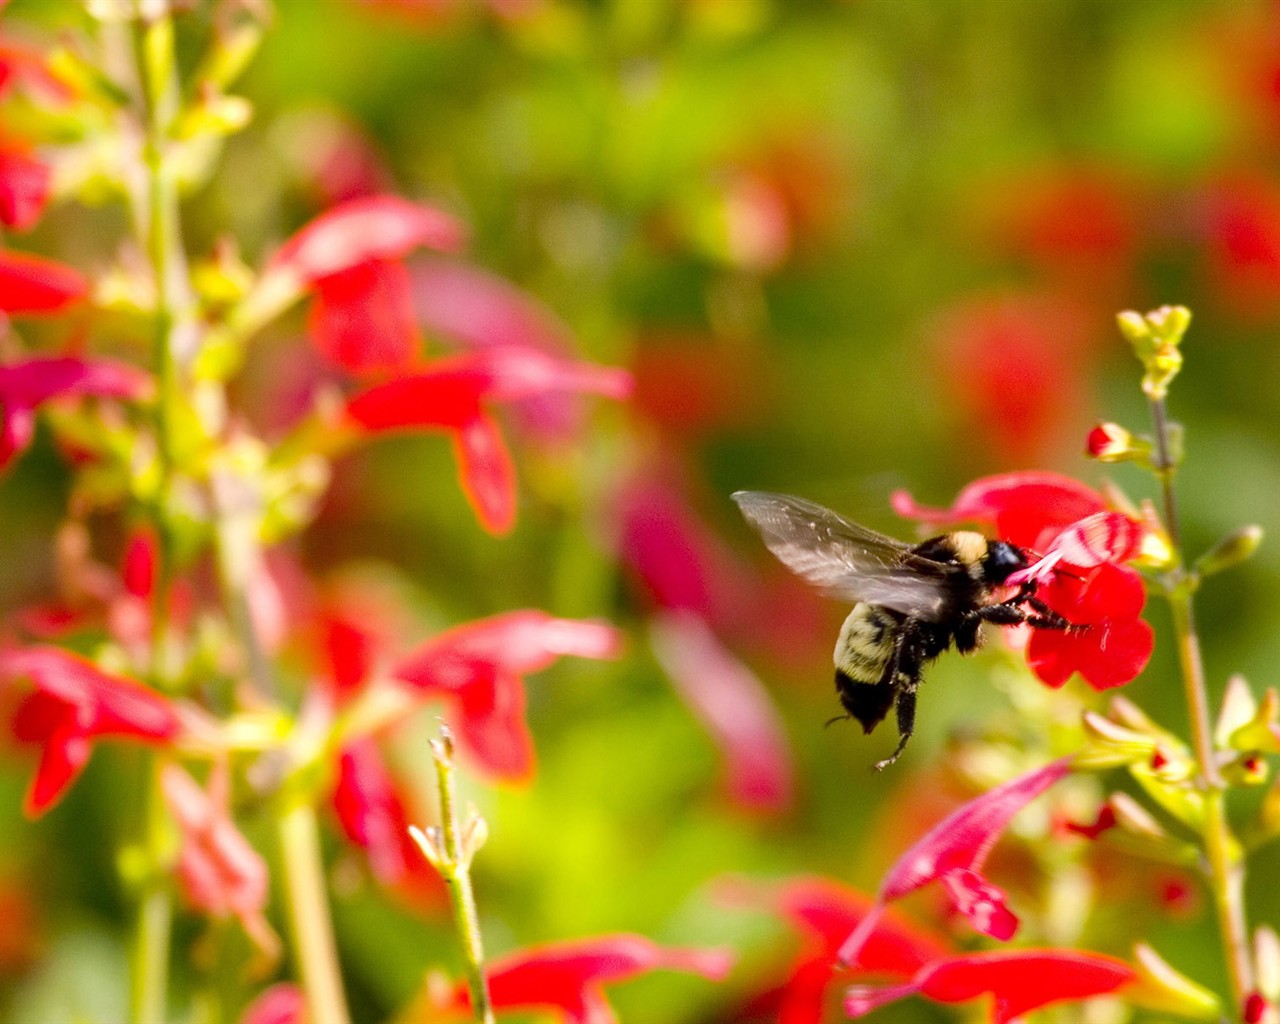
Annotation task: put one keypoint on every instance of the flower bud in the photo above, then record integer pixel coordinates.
(1249, 769)
(1266, 954)
(1231, 550)
(1156, 339)
(1110, 442)
(1160, 986)
(1109, 745)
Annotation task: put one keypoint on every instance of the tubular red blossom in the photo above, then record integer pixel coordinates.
(954, 851)
(220, 873)
(568, 979)
(280, 1004)
(1113, 646)
(24, 188)
(451, 394)
(74, 704)
(33, 284)
(26, 385)
(1027, 509)
(733, 705)
(480, 666)
(363, 318)
(383, 227)
(1094, 540)
(1020, 981)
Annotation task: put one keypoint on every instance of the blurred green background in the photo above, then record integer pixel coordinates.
(847, 247)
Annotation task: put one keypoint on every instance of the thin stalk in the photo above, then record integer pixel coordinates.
(450, 848)
(309, 924)
(1224, 862)
(149, 966)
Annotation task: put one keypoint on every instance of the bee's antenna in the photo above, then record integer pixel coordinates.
(839, 718)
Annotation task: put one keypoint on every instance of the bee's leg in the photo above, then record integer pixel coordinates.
(1006, 614)
(905, 674)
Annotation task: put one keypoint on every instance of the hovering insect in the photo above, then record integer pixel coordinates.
(910, 603)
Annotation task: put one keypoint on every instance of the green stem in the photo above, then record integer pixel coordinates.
(455, 867)
(311, 930)
(149, 968)
(1223, 856)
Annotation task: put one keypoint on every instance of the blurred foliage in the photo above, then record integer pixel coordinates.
(866, 244)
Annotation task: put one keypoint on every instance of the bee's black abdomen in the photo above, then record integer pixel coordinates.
(869, 703)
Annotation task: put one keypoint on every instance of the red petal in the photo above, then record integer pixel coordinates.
(371, 812)
(732, 704)
(1053, 655)
(486, 473)
(1024, 980)
(66, 752)
(420, 401)
(363, 318)
(24, 189)
(370, 228)
(492, 728)
(982, 903)
(1123, 648)
(32, 284)
(1023, 507)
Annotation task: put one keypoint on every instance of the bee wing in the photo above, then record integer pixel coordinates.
(845, 560)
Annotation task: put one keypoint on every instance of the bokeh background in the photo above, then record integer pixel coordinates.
(845, 248)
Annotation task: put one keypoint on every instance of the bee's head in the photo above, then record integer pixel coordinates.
(1002, 561)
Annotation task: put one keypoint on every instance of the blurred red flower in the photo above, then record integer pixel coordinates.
(825, 912)
(480, 667)
(74, 704)
(34, 285)
(452, 393)
(28, 68)
(220, 873)
(1014, 367)
(953, 853)
(363, 315)
(26, 385)
(1021, 981)
(567, 979)
(24, 187)
(1241, 219)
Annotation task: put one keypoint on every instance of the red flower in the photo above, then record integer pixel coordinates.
(24, 187)
(33, 284)
(1021, 981)
(74, 704)
(28, 67)
(1066, 521)
(825, 912)
(953, 853)
(26, 385)
(480, 666)
(451, 394)
(372, 813)
(363, 316)
(220, 873)
(568, 978)
(1114, 645)
(733, 705)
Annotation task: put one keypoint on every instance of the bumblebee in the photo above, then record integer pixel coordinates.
(910, 603)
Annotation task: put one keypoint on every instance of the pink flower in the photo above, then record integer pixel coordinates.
(480, 668)
(567, 979)
(953, 853)
(220, 873)
(33, 284)
(734, 706)
(76, 703)
(349, 256)
(24, 187)
(1020, 981)
(280, 1004)
(452, 394)
(26, 385)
